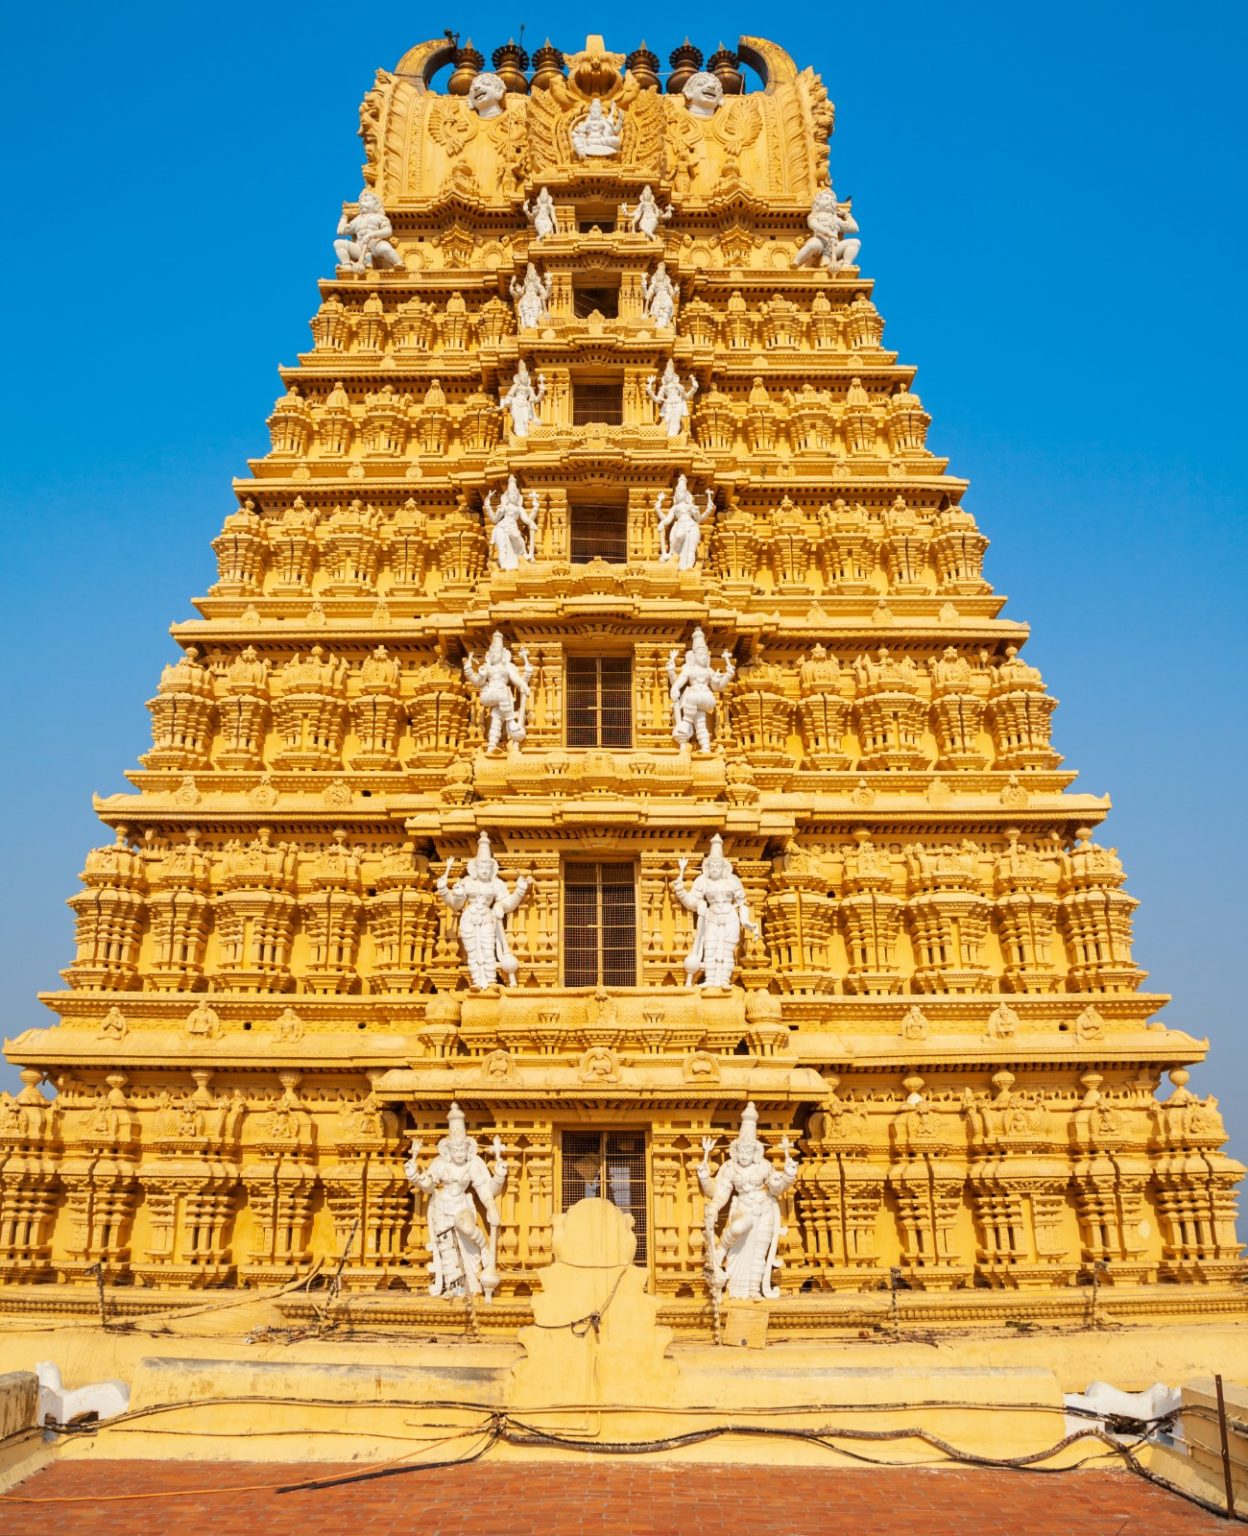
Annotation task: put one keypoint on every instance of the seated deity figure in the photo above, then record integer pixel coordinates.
(680, 527)
(486, 94)
(532, 296)
(483, 901)
(503, 690)
(541, 213)
(829, 223)
(465, 1258)
(658, 295)
(717, 900)
(742, 1259)
(599, 133)
(364, 241)
(703, 93)
(693, 691)
(509, 520)
(522, 401)
(646, 217)
(672, 398)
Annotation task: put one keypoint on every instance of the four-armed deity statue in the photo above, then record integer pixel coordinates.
(599, 133)
(541, 212)
(741, 1258)
(465, 1256)
(508, 522)
(830, 224)
(672, 398)
(658, 296)
(694, 688)
(680, 527)
(503, 690)
(532, 297)
(717, 900)
(522, 400)
(364, 240)
(646, 217)
(483, 901)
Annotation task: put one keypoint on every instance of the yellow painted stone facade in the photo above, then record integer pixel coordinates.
(267, 997)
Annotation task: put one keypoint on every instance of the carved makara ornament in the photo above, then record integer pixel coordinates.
(465, 1255)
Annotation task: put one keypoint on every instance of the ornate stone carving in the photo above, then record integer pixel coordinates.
(830, 223)
(503, 689)
(541, 214)
(717, 900)
(694, 688)
(364, 238)
(671, 398)
(465, 1256)
(600, 133)
(645, 218)
(742, 1260)
(532, 297)
(522, 400)
(483, 902)
(680, 527)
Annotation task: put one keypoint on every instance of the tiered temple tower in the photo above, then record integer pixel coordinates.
(269, 994)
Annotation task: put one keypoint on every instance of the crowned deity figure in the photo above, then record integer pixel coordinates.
(364, 241)
(830, 223)
(599, 133)
(503, 690)
(483, 901)
(658, 294)
(532, 296)
(465, 1257)
(717, 900)
(672, 398)
(541, 214)
(646, 217)
(693, 691)
(680, 527)
(522, 400)
(509, 520)
(742, 1258)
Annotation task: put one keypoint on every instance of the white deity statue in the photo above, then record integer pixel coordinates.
(522, 400)
(703, 93)
(717, 899)
(672, 398)
(680, 527)
(503, 689)
(658, 295)
(541, 212)
(647, 216)
(829, 222)
(693, 691)
(364, 241)
(465, 1258)
(743, 1258)
(531, 297)
(599, 132)
(485, 95)
(483, 901)
(509, 520)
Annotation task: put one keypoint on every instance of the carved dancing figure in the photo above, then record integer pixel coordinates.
(829, 222)
(742, 1259)
(658, 295)
(646, 217)
(532, 296)
(364, 241)
(503, 689)
(703, 93)
(717, 900)
(541, 213)
(522, 400)
(465, 1258)
(599, 132)
(672, 398)
(483, 901)
(680, 527)
(486, 94)
(693, 691)
(509, 520)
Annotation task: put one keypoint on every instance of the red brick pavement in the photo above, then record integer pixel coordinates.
(603, 1499)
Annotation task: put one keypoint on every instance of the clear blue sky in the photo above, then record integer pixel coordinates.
(1051, 200)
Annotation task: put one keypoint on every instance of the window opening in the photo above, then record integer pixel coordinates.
(599, 925)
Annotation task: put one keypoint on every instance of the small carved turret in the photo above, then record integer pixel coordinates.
(377, 712)
(290, 425)
(892, 713)
(108, 918)
(182, 713)
(180, 910)
(949, 916)
(1096, 914)
(241, 549)
(242, 707)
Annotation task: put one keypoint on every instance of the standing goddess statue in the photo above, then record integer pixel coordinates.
(742, 1259)
(542, 213)
(522, 400)
(672, 398)
(658, 294)
(531, 296)
(503, 689)
(693, 691)
(465, 1258)
(509, 519)
(646, 217)
(483, 901)
(680, 527)
(717, 899)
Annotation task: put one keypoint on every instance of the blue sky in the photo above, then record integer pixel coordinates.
(1051, 202)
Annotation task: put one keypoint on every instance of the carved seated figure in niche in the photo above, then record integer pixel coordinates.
(830, 223)
(717, 900)
(599, 133)
(703, 93)
(510, 520)
(646, 217)
(503, 690)
(485, 95)
(483, 902)
(694, 689)
(465, 1257)
(680, 527)
(541, 212)
(364, 241)
(743, 1257)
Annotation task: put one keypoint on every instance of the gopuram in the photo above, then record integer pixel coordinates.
(599, 770)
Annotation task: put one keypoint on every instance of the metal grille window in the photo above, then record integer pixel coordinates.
(588, 297)
(607, 1165)
(599, 925)
(598, 402)
(600, 701)
(599, 533)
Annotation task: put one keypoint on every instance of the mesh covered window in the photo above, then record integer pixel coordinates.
(600, 701)
(598, 402)
(607, 1165)
(599, 533)
(599, 925)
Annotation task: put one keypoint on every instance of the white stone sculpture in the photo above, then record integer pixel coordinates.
(58, 1404)
(744, 1256)
(646, 217)
(522, 400)
(483, 901)
(532, 296)
(694, 688)
(829, 222)
(485, 95)
(717, 900)
(503, 690)
(510, 520)
(541, 213)
(703, 93)
(465, 1257)
(680, 527)
(599, 133)
(672, 398)
(364, 241)
(658, 295)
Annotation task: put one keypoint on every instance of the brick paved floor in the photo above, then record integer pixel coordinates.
(604, 1500)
